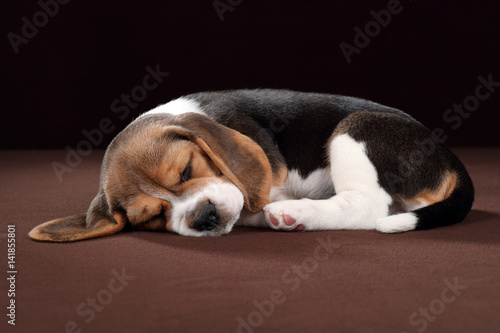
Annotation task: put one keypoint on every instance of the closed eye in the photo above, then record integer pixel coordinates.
(159, 215)
(186, 174)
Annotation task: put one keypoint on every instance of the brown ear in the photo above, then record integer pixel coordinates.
(237, 156)
(97, 222)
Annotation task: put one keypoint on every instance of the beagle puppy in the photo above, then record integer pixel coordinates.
(291, 161)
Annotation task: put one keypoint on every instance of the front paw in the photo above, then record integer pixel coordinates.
(288, 215)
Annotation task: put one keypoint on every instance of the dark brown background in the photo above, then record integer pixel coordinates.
(64, 81)
(370, 283)
(66, 77)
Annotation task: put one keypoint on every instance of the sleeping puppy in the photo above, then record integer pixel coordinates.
(203, 163)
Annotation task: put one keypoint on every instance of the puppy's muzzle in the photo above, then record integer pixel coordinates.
(208, 219)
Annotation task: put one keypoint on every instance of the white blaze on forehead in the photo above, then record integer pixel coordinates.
(176, 107)
(227, 199)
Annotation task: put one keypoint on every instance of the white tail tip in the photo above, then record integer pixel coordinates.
(397, 223)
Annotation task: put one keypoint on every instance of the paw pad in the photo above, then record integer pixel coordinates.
(284, 215)
(274, 220)
(289, 221)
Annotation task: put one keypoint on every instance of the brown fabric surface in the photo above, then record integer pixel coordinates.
(365, 282)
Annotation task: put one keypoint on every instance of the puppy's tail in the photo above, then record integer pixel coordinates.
(446, 212)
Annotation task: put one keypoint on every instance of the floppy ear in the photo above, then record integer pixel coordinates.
(97, 222)
(237, 156)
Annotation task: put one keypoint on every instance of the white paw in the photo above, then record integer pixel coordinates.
(289, 214)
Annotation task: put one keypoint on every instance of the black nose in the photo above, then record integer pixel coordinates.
(208, 218)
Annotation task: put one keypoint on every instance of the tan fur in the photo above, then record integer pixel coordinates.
(152, 161)
(443, 191)
(255, 152)
(237, 156)
(428, 197)
(163, 177)
(143, 208)
(73, 228)
(279, 176)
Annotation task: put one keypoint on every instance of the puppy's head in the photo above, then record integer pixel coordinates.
(186, 174)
